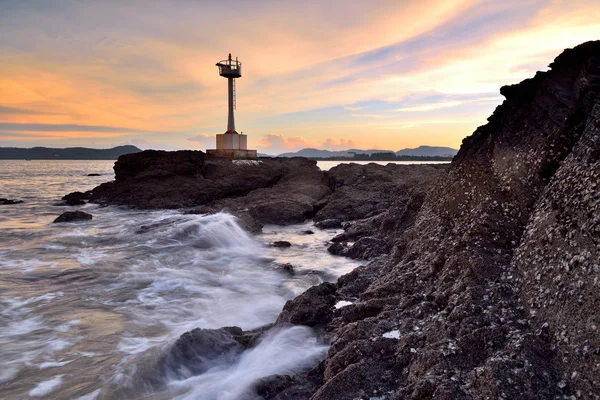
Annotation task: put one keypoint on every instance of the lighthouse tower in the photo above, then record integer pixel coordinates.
(231, 144)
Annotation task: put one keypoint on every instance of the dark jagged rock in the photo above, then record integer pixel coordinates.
(76, 198)
(199, 350)
(364, 248)
(285, 387)
(269, 387)
(332, 223)
(6, 202)
(313, 308)
(360, 191)
(308, 232)
(269, 190)
(287, 268)
(374, 204)
(281, 244)
(71, 216)
(338, 249)
(279, 191)
(491, 287)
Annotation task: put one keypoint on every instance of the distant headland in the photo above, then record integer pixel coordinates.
(70, 153)
(421, 153)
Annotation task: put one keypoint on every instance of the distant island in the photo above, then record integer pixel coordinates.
(421, 153)
(70, 153)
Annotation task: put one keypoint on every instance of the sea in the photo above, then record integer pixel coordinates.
(87, 307)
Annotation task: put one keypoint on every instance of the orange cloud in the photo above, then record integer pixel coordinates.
(275, 144)
(142, 72)
(340, 144)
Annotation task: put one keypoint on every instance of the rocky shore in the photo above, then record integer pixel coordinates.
(483, 279)
(279, 191)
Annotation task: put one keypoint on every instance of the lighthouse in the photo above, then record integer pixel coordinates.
(231, 144)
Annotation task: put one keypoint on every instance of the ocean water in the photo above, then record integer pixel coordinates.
(87, 307)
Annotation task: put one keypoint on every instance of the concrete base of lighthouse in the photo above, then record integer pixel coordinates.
(232, 145)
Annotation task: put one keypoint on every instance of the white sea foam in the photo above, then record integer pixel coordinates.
(280, 352)
(153, 284)
(52, 364)
(7, 373)
(67, 326)
(90, 396)
(25, 266)
(24, 337)
(46, 387)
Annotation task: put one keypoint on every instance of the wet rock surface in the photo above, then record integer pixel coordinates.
(72, 216)
(313, 308)
(374, 204)
(75, 198)
(489, 289)
(269, 190)
(6, 202)
(279, 191)
(281, 244)
(199, 350)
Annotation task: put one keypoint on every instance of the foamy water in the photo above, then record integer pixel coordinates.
(86, 307)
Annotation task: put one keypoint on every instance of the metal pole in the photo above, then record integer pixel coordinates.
(230, 120)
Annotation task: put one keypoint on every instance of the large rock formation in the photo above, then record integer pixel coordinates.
(374, 204)
(493, 291)
(270, 190)
(265, 191)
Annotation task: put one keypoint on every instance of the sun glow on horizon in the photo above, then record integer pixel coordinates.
(385, 74)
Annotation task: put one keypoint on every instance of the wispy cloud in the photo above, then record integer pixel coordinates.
(429, 107)
(353, 108)
(202, 137)
(375, 116)
(87, 70)
(4, 126)
(279, 143)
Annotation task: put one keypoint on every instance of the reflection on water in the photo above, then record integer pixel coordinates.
(85, 306)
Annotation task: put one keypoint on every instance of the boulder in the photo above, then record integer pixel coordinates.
(76, 198)
(287, 268)
(71, 216)
(199, 350)
(281, 244)
(313, 308)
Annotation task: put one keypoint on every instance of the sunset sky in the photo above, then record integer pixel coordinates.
(326, 74)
